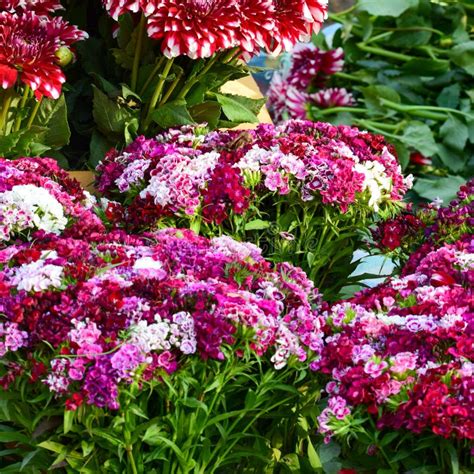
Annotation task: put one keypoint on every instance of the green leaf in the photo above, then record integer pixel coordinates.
(257, 224)
(374, 94)
(444, 188)
(110, 117)
(52, 115)
(57, 448)
(454, 133)
(99, 146)
(68, 420)
(172, 114)
(239, 109)
(207, 112)
(426, 67)
(463, 56)
(420, 137)
(449, 96)
(313, 457)
(329, 452)
(386, 8)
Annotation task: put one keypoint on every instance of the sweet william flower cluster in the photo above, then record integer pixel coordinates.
(402, 353)
(184, 173)
(102, 312)
(36, 195)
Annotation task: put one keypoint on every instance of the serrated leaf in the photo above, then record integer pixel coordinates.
(454, 133)
(52, 115)
(463, 56)
(420, 137)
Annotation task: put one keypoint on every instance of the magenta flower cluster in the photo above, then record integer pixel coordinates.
(214, 176)
(402, 353)
(89, 315)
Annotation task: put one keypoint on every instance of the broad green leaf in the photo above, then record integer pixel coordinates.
(386, 7)
(329, 452)
(444, 188)
(110, 117)
(420, 137)
(449, 96)
(207, 112)
(172, 114)
(68, 420)
(99, 146)
(454, 133)
(52, 115)
(374, 94)
(463, 56)
(240, 109)
(426, 67)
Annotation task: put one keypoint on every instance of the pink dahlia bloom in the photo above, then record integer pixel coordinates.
(194, 28)
(28, 46)
(40, 7)
(296, 103)
(333, 97)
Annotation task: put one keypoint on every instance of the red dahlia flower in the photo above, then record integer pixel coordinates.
(40, 7)
(295, 20)
(256, 24)
(119, 7)
(194, 28)
(28, 47)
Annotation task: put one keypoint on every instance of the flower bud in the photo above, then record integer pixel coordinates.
(65, 56)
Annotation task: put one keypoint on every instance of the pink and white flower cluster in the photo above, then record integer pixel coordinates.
(222, 174)
(35, 195)
(403, 352)
(198, 28)
(98, 312)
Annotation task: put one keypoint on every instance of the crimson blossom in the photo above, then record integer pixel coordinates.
(40, 7)
(28, 47)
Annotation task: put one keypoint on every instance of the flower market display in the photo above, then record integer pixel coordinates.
(208, 304)
(300, 190)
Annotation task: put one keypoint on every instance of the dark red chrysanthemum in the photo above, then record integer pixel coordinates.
(28, 47)
(40, 7)
(194, 28)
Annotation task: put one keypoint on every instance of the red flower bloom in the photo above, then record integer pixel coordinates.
(119, 7)
(28, 46)
(256, 17)
(40, 7)
(333, 97)
(194, 28)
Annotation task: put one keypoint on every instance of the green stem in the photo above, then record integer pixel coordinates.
(432, 113)
(26, 94)
(158, 90)
(335, 110)
(369, 126)
(131, 459)
(171, 88)
(194, 80)
(385, 52)
(138, 52)
(34, 112)
(7, 100)
(350, 77)
(152, 75)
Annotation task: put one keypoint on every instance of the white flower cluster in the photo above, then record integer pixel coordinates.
(30, 207)
(165, 334)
